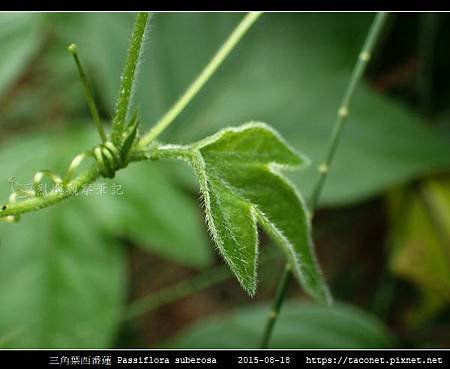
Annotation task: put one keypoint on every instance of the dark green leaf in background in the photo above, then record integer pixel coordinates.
(62, 269)
(21, 37)
(155, 214)
(61, 282)
(300, 325)
(290, 70)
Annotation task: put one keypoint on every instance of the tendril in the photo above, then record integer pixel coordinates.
(108, 159)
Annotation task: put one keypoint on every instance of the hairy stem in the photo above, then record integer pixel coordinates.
(39, 202)
(128, 76)
(71, 188)
(325, 166)
(201, 80)
(11, 211)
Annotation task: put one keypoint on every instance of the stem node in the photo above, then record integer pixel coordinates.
(325, 167)
(343, 112)
(364, 56)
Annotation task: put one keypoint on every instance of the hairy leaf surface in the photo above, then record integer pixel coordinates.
(291, 69)
(239, 174)
(143, 208)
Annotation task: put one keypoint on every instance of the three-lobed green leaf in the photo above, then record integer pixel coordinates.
(298, 85)
(240, 181)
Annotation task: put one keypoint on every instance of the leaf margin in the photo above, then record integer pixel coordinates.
(193, 156)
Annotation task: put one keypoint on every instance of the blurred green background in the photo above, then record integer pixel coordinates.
(129, 263)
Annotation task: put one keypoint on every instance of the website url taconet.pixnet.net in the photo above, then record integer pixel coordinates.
(374, 360)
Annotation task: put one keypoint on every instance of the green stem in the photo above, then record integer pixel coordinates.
(324, 168)
(178, 291)
(201, 80)
(35, 203)
(128, 76)
(88, 93)
(343, 111)
(276, 306)
(207, 279)
(185, 288)
(40, 202)
(10, 211)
